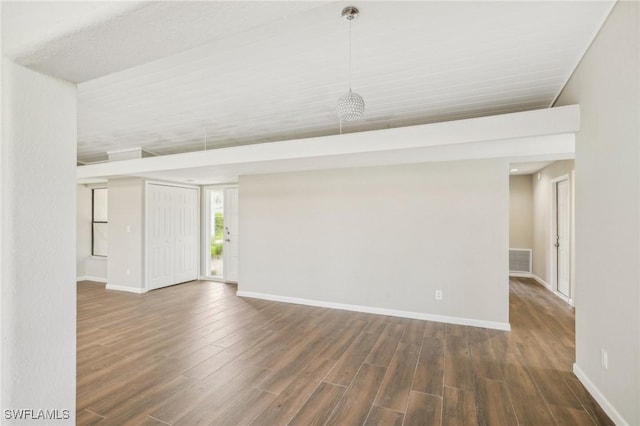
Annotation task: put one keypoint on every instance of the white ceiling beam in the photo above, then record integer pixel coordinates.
(522, 134)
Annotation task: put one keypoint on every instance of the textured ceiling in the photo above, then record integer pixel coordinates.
(31, 28)
(79, 41)
(272, 71)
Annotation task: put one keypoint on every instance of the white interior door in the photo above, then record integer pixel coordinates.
(159, 237)
(563, 226)
(231, 235)
(185, 217)
(172, 235)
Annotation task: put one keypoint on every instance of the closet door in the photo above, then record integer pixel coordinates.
(186, 238)
(159, 237)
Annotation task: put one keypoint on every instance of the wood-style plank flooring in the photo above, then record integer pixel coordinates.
(196, 354)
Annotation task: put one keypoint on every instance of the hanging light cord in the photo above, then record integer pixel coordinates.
(205, 138)
(349, 76)
(350, 54)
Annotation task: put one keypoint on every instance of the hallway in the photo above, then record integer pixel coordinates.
(538, 356)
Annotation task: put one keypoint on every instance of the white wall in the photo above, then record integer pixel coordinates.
(125, 233)
(384, 237)
(520, 211)
(38, 242)
(607, 213)
(95, 269)
(543, 218)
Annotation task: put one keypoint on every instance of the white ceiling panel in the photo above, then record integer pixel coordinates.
(273, 71)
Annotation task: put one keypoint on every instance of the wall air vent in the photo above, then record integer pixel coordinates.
(520, 260)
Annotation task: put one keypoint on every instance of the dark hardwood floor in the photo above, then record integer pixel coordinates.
(197, 354)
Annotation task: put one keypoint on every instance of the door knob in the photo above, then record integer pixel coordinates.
(228, 240)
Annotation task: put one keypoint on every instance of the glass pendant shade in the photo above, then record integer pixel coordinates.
(350, 107)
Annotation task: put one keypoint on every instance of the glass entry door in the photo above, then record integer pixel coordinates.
(220, 234)
(215, 266)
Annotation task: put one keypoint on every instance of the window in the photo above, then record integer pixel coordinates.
(99, 222)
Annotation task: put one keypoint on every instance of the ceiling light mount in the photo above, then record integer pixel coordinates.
(350, 13)
(351, 105)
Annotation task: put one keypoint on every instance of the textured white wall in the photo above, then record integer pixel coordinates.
(38, 235)
(606, 85)
(384, 237)
(126, 207)
(520, 211)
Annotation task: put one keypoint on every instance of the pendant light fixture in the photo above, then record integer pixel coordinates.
(351, 105)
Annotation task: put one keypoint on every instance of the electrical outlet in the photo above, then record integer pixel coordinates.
(128, 271)
(438, 294)
(604, 359)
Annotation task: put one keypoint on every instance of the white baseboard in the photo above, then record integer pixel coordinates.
(542, 282)
(521, 274)
(212, 279)
(551, 289)
(608, 408)
(125, 288)
(380, 311)
(90, 278)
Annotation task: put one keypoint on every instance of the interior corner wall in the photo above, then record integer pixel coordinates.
(381, 237)
(606, 85)
(520, 212)
(542, 217)
(83, 229)
(125, 267)
(38, 242)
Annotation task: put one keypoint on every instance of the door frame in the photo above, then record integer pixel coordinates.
(205, 229)
(553, 252)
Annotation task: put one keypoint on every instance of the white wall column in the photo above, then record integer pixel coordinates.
(125, 264)
(607, 195)
(37, 258)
